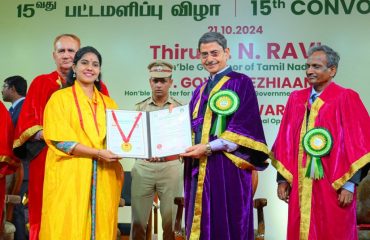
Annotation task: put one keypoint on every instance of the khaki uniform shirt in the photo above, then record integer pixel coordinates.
(149, 104)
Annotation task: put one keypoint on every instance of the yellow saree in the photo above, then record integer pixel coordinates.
(66, 212)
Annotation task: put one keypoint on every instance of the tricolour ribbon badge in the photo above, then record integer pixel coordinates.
(223, 103)
(317, 143)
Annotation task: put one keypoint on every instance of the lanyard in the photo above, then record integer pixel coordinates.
(94, 111)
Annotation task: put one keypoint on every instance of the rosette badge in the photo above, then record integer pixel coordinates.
(223, 103)
(317, 143)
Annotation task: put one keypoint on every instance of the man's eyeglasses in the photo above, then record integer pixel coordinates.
(214, 53)
(5, 86)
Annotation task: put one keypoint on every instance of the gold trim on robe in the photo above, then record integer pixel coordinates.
(8, 160)
(26, 135)
(195, 229)
(304, 183)
(281, 169)
(354, 168)
(244, 141)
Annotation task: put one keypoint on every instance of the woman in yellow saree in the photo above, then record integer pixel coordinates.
(82, 179)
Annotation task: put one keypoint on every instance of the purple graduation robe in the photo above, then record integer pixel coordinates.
(218, 188)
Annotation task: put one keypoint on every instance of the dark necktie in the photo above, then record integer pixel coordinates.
(313, 98)
(210, 85)
(11, 110)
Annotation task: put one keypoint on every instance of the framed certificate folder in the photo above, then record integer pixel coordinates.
(136, 134)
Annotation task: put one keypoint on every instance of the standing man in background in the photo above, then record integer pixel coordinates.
(162, 176)
(229, 144)
(14, 91)
(322, 145)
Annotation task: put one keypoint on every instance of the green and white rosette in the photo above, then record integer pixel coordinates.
(317, 143)
(223, 103)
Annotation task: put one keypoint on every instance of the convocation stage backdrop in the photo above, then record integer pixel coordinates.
(268, 39)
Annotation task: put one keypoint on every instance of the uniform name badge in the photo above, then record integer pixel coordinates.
(317, 143)
(126, 145)
(223, 103)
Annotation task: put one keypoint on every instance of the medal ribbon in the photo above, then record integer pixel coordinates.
(94, 114)
(124, 138)
(80, 113)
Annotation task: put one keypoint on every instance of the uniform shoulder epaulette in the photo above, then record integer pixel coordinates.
(142, 101)
(177, 101)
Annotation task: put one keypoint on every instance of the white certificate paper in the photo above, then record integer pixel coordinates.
(156, 134)
(138, 140)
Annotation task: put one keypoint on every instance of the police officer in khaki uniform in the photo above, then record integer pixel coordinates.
(163, 176)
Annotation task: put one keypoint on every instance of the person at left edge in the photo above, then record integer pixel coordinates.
(29, 142)
(14, 91)
(75, 132)
(8, 163)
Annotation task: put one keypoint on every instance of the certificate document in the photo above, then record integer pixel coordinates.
(138, 134)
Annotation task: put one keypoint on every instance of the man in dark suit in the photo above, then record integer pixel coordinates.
(14, 91)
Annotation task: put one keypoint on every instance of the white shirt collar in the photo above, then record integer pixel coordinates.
(17, 101)
(213, 76)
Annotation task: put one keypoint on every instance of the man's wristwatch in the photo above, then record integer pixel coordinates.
(208, 150)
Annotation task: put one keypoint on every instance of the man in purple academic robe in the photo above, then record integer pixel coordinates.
(229, 143)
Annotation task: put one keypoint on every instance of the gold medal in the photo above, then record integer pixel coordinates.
(126, 147)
